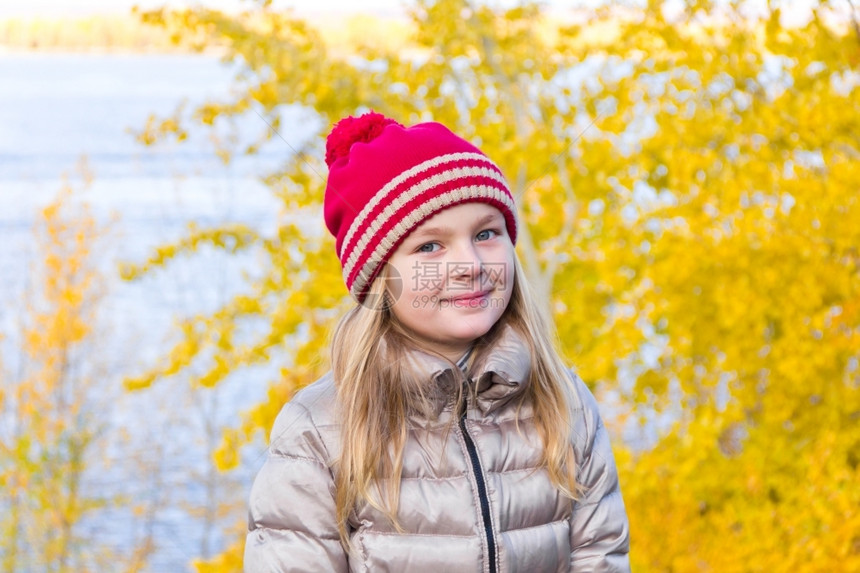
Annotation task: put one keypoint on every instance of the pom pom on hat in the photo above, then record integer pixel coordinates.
(349, 130)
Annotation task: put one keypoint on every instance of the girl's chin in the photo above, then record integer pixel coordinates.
(469, 334)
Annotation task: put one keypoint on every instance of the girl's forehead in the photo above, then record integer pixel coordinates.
(463, 214)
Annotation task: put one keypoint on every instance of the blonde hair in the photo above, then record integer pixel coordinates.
(377, 392)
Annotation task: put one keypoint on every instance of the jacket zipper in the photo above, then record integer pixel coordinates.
(482, 490)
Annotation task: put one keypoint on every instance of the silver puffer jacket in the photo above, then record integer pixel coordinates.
(473, 495)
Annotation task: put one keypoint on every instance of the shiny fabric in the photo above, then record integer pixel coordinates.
(535, 529)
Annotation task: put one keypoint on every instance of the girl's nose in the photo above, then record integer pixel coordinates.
(466, 263)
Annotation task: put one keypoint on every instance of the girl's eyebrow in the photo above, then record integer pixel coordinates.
(445, 231)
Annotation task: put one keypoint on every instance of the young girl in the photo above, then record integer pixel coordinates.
(448, 436)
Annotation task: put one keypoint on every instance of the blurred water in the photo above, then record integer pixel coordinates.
(57, 108)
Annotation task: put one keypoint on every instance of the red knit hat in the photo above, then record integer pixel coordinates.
(386, 179)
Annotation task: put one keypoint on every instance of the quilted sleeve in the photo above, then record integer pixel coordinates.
(600, 535)
(291, 522)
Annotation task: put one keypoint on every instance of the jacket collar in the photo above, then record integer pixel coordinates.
(498, 375)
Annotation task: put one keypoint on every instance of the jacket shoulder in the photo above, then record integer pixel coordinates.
(584, 412)
(305, 426)
(292, 524)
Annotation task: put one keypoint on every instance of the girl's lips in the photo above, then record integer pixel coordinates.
(470, 296)
(472, 300)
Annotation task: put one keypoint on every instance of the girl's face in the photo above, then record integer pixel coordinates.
(456, 273)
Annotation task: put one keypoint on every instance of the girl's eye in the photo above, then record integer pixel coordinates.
(485, 234)
(427, 248)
